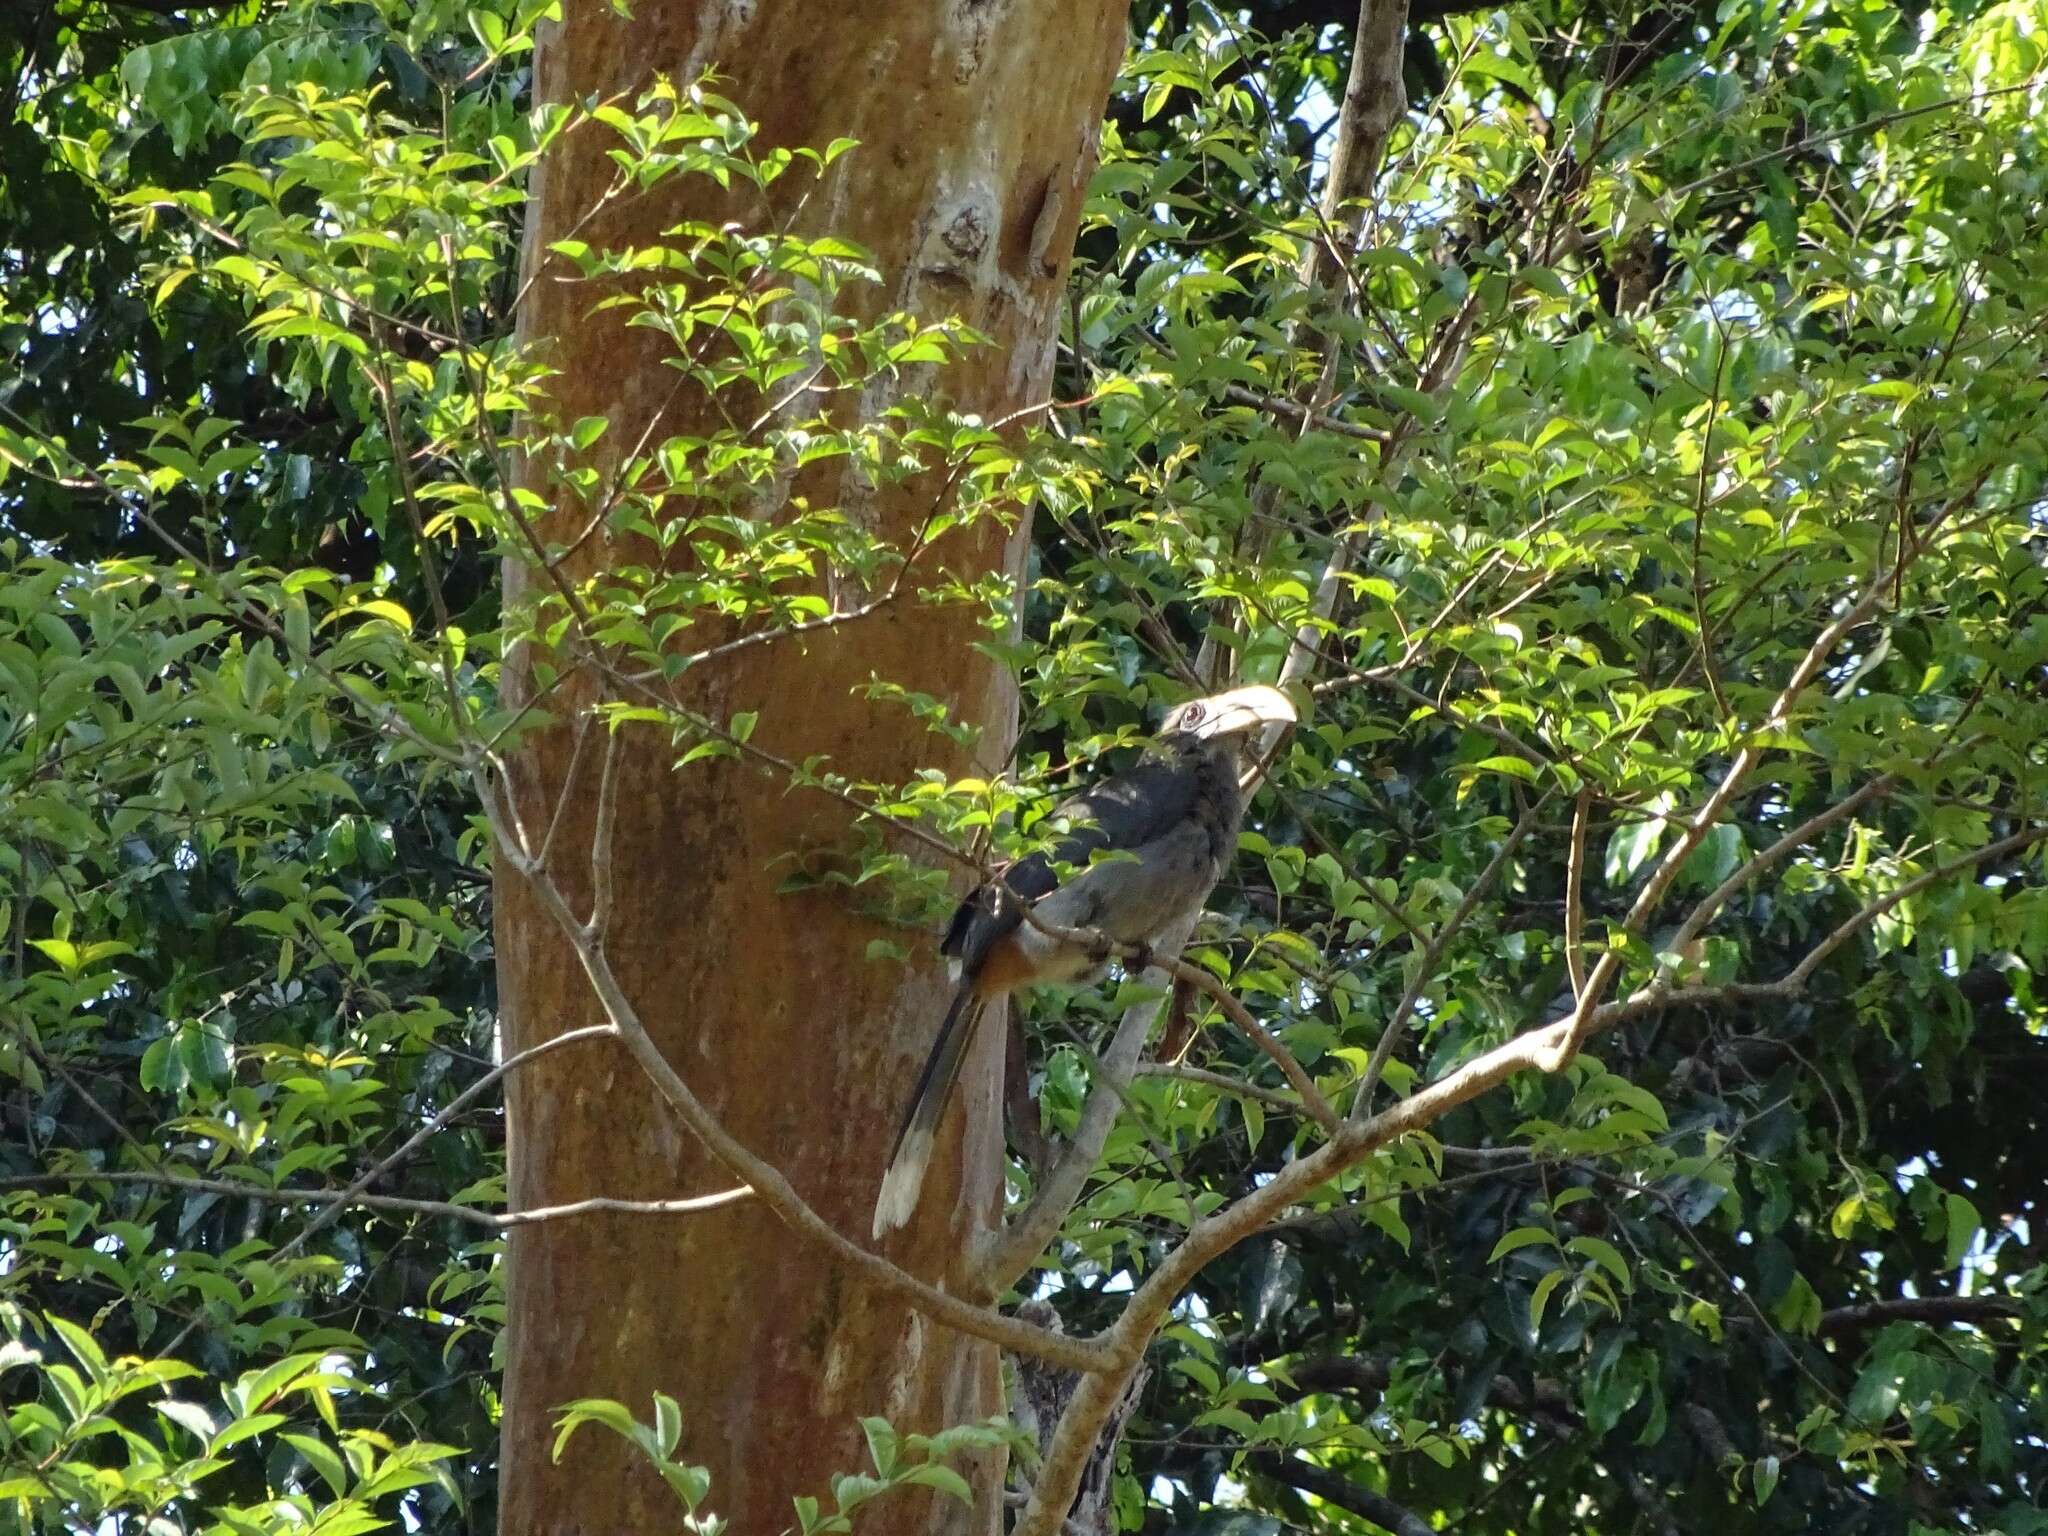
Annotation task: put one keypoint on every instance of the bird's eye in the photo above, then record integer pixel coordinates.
(1191, 716)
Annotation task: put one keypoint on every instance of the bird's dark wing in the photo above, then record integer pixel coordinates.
(1146, 800)
(1127, 810)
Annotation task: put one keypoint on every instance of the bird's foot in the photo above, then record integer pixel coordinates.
(1138, 959)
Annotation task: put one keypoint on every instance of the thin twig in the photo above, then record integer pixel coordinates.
(1792, 841)
(1222, 1082)
(455, 1106)
(1318, 1107)
(469, 1214)
(603, 840)
(562, 799)
(1869, 124)
(1292, 410)
(1575, 896)
(1699, 508)
(1425, 970)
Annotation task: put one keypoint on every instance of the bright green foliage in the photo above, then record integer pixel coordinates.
(911, 1461)
(1672, 340)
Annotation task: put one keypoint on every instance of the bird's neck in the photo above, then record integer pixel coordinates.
(1216, 791)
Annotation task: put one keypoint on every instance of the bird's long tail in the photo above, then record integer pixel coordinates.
(913, 1149)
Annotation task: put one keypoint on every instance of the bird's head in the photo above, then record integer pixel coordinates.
(1230, 715)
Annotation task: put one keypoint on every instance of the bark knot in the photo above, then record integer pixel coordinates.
(961, 238)
(967, 235)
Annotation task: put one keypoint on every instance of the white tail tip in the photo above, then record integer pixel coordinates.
(900, 1185)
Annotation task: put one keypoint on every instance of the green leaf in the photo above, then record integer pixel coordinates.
(881, 1441)
(322, 1459)
(933, 1475)
(690, 1484)
(1636, 841)
(1513, 767)
(1539, 1298)
(1846, 1215)
(591, 1410)
(1764, 1479)
(1798, 1310)
(1604, 1254)
(190, 1417)
(668, 1424)
(1963, 1227)
(82, 1346)
(1520, 1237)
(1715, 859)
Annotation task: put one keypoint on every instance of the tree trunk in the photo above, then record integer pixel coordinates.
(977, 127)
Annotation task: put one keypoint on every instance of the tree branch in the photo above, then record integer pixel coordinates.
(1305, 1088)
(1575, 895)
(763, 1177)
(1373, 101)
(1916, 1309)
(1732, 782)
(469, 1214)
(1791, 842)
(1360, 1375)
(1222, 1082)
(1002, 1256)
(1335, 1488)
(1301, 415)
(172, 7)
(1868, 125)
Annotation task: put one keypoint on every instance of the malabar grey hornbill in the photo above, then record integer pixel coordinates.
(1159, 836)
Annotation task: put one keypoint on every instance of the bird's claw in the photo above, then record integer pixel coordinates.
(1140, 959)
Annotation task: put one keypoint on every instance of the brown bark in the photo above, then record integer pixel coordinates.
(977, 125)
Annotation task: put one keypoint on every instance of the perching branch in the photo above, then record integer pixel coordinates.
(1004, 1254)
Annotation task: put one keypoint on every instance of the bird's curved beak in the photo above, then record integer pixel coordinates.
(1244, 709)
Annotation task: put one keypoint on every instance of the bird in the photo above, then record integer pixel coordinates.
(1146, 847)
